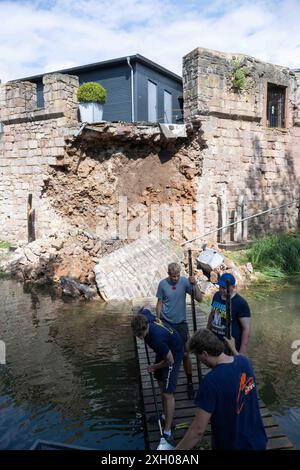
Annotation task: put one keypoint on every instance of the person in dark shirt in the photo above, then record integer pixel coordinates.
(241, 323)
(227, 397)
(169, 349)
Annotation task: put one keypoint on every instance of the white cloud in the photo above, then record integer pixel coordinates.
(41, 36)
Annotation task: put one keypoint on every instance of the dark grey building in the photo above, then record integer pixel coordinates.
(137, 89)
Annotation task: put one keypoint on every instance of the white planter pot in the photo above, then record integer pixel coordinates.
(91, 112)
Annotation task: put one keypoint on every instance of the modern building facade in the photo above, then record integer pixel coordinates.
(138, 90)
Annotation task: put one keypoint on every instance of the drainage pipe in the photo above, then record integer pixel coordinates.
(132, 89)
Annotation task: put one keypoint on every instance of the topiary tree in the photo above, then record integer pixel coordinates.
(91, 91)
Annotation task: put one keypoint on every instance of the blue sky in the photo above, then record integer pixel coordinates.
(42, 36)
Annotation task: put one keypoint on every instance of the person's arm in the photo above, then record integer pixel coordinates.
(210, 319)
(231, 345)
(196, 430)
(197, 292)
(160, 296)
(167, 362)
(158, 307)
(246, 330)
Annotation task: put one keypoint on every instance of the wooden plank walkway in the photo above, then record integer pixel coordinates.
(185, 408)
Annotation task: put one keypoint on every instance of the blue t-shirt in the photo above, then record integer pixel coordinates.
(239, 309)
(150, 316)
(162, 338)
(228, 392)
(173, 296)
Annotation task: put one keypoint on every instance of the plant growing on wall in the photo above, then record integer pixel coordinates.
(91, 92)
(239, 76)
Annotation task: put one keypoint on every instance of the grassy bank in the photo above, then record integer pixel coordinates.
(276, 256)
(4, 254)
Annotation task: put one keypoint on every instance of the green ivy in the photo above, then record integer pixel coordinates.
(91, 91)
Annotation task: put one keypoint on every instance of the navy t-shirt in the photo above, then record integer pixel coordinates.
(228, 392)
(162, 338)
(150, 316)
(239, 309)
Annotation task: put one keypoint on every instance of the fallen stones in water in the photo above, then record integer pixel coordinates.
(79, 263)
(74, 288)
(66, 257)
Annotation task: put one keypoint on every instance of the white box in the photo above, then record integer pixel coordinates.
(210, 259)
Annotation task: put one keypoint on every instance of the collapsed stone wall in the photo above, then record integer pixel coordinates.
(240, 156)
(32, 142)
(243, 158)
(78, 174)
(113, 161)
(102, 165)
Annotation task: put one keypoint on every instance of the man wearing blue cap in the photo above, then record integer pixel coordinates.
(240, 312)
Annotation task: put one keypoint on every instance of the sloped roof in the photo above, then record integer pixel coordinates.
(108, 63)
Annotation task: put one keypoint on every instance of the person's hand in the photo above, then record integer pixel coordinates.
(231, 345)
(192, 280)
(151, 368)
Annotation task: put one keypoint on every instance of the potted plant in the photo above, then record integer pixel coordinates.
(91, 97)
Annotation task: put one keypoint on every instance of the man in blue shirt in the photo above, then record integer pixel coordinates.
(227, 397)
(240, 310)
(168, 346)
(171, 307)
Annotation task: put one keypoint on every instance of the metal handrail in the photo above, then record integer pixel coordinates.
(239, 221)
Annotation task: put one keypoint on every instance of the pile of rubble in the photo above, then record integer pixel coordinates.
(210, 263)
(69, 261)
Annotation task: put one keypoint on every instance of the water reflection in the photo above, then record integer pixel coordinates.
(71, 374)
(275, 325)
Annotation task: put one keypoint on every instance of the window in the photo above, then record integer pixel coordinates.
(167, 107)
(40, 95)
(152, 101)
(276, 106)
(179, 114)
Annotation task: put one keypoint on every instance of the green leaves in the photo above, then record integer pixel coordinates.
(5, 245)
(91, 91)
(239, 76)
(276, 256)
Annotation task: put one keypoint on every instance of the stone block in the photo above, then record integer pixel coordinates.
(51, 161)
(59, 142)
(32, 144)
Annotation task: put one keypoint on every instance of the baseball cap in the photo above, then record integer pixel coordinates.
(226, 277)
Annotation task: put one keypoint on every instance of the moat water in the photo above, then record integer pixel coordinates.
(71, 375)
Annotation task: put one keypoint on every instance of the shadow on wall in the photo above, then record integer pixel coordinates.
(271, 183)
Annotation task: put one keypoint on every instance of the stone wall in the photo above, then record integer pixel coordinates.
(32, 141)
(136, 269)
(244, 159)
(118, 172)
(230, 158)
(104, 194)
